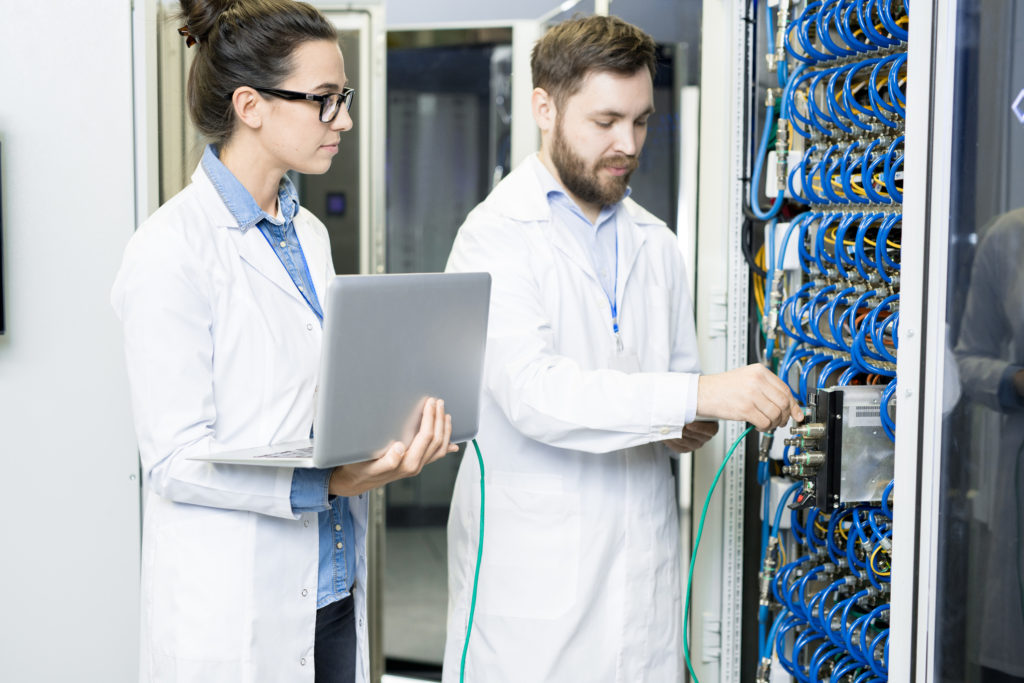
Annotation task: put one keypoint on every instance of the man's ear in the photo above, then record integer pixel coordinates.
(248, 105)
(544, 111)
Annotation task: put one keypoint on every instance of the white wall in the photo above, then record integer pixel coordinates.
(69, 507)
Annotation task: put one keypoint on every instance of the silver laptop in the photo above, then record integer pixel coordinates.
(390, 342)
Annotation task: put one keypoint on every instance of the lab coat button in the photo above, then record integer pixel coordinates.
(664, 430)
(309, 326)
(305, 592)
(305, 522)
(302, 662)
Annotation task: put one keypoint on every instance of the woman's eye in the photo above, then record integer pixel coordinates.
(604, 124)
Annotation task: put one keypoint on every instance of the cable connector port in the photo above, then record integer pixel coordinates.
(809, 459)
(813, 430)
(767, 574)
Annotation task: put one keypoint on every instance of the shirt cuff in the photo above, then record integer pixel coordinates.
(674, 405)
(1009, 399)
(309, 490)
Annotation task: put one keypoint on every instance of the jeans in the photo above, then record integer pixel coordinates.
(334, 653)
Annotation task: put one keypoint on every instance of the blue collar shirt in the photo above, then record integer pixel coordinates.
(598, 239)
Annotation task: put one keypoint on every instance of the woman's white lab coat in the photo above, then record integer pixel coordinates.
(222, 353)
(580, 574)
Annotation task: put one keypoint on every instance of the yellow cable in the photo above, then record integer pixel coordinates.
(759, 283)
(886, 573)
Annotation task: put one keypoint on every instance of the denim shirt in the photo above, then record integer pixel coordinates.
(337, 568)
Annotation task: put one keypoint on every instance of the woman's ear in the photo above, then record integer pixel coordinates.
(248, 105)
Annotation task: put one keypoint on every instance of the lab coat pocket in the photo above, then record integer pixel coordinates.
(200, 588)
(531, 547)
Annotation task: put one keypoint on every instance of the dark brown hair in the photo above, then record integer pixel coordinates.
(242, 42)
(567, 53)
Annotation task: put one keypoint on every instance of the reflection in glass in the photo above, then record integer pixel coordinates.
(980, 600)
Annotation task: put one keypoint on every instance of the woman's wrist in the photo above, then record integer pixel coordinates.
(339, 485)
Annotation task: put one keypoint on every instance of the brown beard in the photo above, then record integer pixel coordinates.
(585, 183)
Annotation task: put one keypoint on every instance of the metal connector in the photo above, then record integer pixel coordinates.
(809, 459)
(765, 446)
(764, 670)
(813, 430)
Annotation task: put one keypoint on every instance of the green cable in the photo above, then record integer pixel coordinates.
(476, 574)
(693, 558)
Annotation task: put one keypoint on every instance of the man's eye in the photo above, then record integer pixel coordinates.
(604, 124)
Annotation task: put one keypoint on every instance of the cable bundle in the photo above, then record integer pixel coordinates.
(839, 146)
(834, 619)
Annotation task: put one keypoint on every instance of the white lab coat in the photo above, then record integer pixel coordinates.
(991, 343)
(580, 573)
(222, 353)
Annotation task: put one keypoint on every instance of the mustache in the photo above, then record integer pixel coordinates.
(630, 163)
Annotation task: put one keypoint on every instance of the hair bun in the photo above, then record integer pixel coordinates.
(199, 17)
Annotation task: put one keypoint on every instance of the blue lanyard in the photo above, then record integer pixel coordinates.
(613, 300)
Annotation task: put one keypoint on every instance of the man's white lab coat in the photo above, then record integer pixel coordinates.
(580, 573)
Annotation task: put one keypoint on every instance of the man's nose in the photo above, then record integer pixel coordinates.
(627, 139)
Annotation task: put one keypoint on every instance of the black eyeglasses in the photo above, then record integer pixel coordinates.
(330, 104)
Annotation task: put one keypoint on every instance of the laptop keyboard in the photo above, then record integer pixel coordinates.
(306, 452)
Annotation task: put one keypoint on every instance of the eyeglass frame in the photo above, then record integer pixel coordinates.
(346, 95)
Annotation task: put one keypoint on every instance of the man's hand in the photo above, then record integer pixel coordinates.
(749, 394)
(694, 435)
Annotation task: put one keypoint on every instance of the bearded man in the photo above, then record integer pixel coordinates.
(591, 381)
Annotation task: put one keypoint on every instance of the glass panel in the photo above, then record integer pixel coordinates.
(980, 633)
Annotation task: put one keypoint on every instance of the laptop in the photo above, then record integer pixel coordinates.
(389, 343)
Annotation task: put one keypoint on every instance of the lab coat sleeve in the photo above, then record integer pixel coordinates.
(547, 396)
(982, 350)
(161, 295)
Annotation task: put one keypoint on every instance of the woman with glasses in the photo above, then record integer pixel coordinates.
(248, 573)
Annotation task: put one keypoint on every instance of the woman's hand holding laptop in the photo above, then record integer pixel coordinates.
(398, 460)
